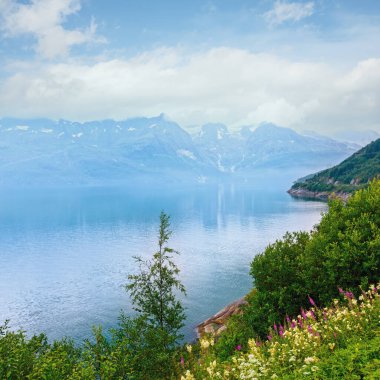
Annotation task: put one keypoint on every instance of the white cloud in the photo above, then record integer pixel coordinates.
(229, 85)
(44, 20)
(288, 11)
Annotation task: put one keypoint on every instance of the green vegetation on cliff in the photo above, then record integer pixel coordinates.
(352, 174)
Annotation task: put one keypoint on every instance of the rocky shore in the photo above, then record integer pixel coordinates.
(318, 195)
(217, 323)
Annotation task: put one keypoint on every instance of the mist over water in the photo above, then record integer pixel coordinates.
(66, 253)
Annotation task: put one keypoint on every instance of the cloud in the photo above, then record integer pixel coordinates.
(287, 11)
(44, 19)
(233, 86)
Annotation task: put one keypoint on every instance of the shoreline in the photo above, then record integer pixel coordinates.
(317, 195)
(217, 323)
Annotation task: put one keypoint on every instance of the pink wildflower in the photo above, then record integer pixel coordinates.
(238, 347)
(269, 337)
(182, 361)
(349, 295)
(312, 301)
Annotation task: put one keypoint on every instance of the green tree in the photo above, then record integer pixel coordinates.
(154, 292)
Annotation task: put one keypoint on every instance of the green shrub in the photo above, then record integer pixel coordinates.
(342, 251)
(18, 355)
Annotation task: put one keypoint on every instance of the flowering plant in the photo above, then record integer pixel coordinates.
(300, 347)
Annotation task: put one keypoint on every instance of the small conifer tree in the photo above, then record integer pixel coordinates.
(154, 291)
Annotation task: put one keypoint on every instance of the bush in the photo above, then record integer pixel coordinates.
(342, 251)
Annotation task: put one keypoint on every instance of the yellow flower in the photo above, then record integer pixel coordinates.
(188, 376)
(189, 348)
(310, 359)
(331, 346)
(204, 343)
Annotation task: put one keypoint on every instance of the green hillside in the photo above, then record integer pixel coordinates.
(350, 175)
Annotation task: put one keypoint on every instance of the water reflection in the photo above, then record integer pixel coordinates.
(64, 254)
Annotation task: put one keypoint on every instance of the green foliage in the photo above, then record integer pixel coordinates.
(153, 289)
(342, 251)
(345, 248)
(360, 359)
(57, 362)
(161, 314)
(236, 335)
(278, 279)
(361, 167)
(18, 354)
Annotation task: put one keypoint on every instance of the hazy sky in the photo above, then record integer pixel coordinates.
(300, 64)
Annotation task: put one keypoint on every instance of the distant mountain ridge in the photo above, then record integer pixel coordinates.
(352, 174)
(267, 146)
(361, 138)
(43, 151)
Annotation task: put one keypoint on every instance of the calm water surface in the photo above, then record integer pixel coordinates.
(65, 254)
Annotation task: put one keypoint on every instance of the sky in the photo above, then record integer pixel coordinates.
(307, 65)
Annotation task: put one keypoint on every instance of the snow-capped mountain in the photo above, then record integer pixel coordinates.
(41, 151)
(272, 146)
(267, 146)
(221, 148)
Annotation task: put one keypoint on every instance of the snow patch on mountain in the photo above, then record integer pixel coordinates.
(186, 153)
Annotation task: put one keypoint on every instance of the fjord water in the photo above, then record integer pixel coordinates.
(65, 254)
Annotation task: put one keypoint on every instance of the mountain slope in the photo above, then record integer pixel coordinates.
(270, 145)
(221, 148)
(350, 175)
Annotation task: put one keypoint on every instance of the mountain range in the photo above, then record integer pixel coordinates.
(43, 151)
